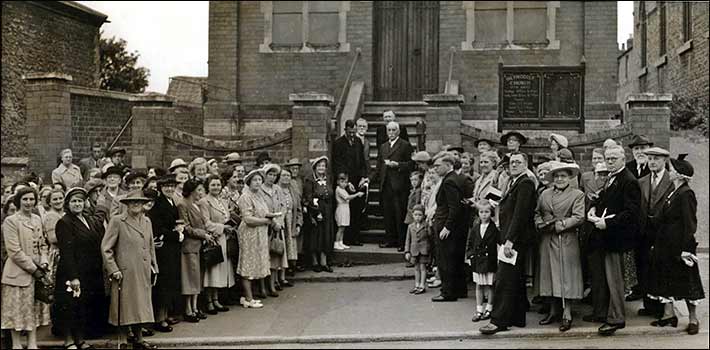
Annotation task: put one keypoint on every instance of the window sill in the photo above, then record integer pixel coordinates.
(661, 61)
(685, 47)
(468, 46)
(644, 71)
(341, 47)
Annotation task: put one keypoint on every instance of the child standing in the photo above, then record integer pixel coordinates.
(482, 252)
(342, 211)
(416, 248)
(415, 196)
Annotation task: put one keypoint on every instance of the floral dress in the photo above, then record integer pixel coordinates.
(288, 203)
(253, 238)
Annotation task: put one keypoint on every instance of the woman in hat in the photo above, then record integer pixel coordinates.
(135, 181)
(262, 159)
(80, 303)
(289, 196)
(299, 226)
(557, 143)
(129, 258)
(26, 263)
(674, 272)
(213, 167)
(168, 236)
(318, 198)
(195, 235)
(49, 224)
(275, 199)
(215, 213)
(253, 234)
(116, 154)
(489, 176)
(113, 191)
(559, 213)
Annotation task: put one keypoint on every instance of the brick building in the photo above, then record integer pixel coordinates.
(261, 51)
(42, 37)
(668, 52)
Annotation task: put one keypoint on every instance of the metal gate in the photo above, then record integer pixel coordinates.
(406, 49)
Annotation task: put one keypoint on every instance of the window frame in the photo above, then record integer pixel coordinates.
(643, 31)
(687, 21)
(267, 9)
(662, 28)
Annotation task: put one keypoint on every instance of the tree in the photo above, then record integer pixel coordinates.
(118, 67)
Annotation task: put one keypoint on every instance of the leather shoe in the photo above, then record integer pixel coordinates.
(565, 325)
(201, 315)
(491, 328)
(221, 308)
(692, 328)
(549, 319)
(441, 298)
(191, 318)
(317, 268)
(609, 329)
(172, 321)
(211, 311)
(287, 284)
(273, 294)
(160, 328)
(633, 296)
(147, 332)
(389, 245)
(327, 268)
(593, 319)
(672, 321)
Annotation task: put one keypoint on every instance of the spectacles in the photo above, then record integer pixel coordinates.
(516, 162)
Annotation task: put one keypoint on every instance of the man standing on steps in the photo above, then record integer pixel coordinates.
(394, 164)
(361, 216)
(382, 135)
(450, 229)
(348, 159)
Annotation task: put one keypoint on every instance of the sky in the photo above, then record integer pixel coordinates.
(171, 36)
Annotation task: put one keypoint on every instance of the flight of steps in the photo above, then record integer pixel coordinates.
(408, 114)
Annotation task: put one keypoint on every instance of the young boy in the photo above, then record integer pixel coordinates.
(416, 248)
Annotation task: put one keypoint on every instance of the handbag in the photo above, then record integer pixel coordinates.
(44, 290)
(233, 246)
(211, 255)
(276, 244)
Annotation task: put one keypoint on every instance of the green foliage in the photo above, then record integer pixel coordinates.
(690, 114)
(118, 67)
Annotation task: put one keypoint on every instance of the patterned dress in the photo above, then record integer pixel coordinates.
(291, 247)
(274, 199)
(49, 223)
(253, 238)
(215, 212)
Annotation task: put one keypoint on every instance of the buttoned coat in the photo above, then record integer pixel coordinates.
(195, 227)
(128, 247)
(652, 204)
(163, 216)
(517, 212)
(347, 158)
(417, 241)
(623, 200)
(20, 234)
(70, 177)
(397, 178)
(483, 250)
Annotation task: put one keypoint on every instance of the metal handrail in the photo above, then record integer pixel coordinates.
(120, 133)
(451, 69)
(345, 86)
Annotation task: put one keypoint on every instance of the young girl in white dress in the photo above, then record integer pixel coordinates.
(342, 211)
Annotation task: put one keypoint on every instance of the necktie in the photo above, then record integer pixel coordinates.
(654, 181)
(639, 169)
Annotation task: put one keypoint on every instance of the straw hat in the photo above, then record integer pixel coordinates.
(657, 151)
(561, 140)
(233, 157)
(560, 166)
(251, 174)
(421, 156)
(177, 163)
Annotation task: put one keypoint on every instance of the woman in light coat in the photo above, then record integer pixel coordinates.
(129, 258)
(558, 217)
(288, 194)
(275, 200)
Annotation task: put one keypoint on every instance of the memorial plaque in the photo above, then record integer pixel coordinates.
(521, 95)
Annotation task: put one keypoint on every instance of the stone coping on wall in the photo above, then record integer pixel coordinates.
(46, 76)
(537, 142)
(143, 97)
(226, 145)
(15, 161)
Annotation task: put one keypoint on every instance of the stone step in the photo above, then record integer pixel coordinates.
(379, 107)
(373, 235)
(394, 271)
(368, 254)
(373, 116)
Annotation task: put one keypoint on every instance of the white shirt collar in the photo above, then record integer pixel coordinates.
(659, 174)
(392, 142)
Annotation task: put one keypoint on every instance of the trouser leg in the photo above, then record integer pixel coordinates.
(600, 291)
(614, 278)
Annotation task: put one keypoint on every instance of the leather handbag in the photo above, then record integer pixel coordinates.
(211, 255)
(44, 290)
(232, 246)
(276, 244)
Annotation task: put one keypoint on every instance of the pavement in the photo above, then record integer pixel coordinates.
(361, 312)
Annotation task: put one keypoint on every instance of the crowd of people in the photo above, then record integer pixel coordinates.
(101, 244)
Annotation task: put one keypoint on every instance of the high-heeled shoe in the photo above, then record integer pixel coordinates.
(565, 325)
(211, 310)
(191, 318)
(673, 322)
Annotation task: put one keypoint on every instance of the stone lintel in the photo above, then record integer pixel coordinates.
(443, 99)
(311, 98)
(152, 98)
(39, 77)
(647, 99)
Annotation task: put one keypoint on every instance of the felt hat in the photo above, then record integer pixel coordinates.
(74, 190)
(150, 194)
(421, 156)
(556, 166)
(640, 140)
(115, 150)
(506, 136)
(565, 156)
(682, 166)
(561, 140)
(134, 196)
(251, 174)
(177, 163)
(116, 170)
(657, 151)
(489, 142)
(94, 185)
(233, 157)
(167, 180)
(293, 162)
(135, 175)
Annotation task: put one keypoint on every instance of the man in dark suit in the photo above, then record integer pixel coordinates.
(638, 166)
(348, 159)
(450, 227)
(394, 164)
(655, 188)
(381, 135)
(616, 218)
(517, 232)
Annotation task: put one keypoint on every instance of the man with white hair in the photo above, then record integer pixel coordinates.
(616, 218)
(388, 117)
(394, 164)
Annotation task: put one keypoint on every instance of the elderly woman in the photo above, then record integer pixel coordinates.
(129, 258)
(215, 214)
(558, 216)
(49, 224)
(253, 236)
(488, 180)
(67, 173)
(168, 236)
(80, 268)
(195, 234)
(318, 198)
(198, 168)
(296, 188)
(674, 272)
(135, 181)
(27, 262)
(291, 253)
(275, 199)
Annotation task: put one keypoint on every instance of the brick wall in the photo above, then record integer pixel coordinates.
(98, 119)
(37, 40)
(681, 73)
(189, 118)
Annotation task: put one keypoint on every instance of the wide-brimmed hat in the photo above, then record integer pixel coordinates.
(167, 179)
(177, 163)
(556, 166)
(318, 160)
(544, 165)
(74, 190)
(682, 166)
(506, 136)
(251, 174)
(565, 156)
(94, 185)
(116, 170)
(293, 162)
(135, 196)
(561, 140)
(115, 150)
(657, 151)
(640, 140)
(136, 174)
(421, 156)
(269, 167)
(455, 148)
(233, 157)
(489, 142)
